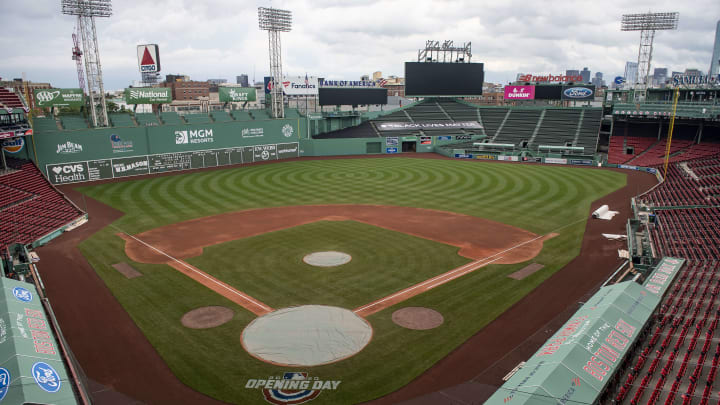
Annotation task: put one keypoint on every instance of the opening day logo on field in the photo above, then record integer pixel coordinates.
(291, 388)
(69, 147)
(193, 136)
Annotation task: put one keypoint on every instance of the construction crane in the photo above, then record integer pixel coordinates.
(77, 57)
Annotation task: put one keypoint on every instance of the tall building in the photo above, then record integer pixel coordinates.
(585, 73)
(715, 63)
(377, 76)
(631, 72)
(242, 80)
(572, 73)
(659, 77)
(598, 81)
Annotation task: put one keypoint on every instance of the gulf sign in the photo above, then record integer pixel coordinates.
(519, 92)
(148, 58)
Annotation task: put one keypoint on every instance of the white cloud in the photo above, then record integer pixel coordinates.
(344, 39)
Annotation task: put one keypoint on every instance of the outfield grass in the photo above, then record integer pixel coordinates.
(540, 199)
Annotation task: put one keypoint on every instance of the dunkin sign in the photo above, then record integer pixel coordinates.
(519, 92)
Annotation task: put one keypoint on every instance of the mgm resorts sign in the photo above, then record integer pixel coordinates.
(403, 126)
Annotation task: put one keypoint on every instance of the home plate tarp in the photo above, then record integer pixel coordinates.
(32, 370)
(576, 363)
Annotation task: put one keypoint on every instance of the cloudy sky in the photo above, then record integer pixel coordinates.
(344, 39)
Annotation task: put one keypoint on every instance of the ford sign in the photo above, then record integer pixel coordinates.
(578, 93)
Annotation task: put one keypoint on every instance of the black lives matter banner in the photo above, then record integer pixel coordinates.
(104, 169)
(402, 126)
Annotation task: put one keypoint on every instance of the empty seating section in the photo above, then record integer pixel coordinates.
(30, 207)
(45, 124)
(9, 99)
(72, 122)
(146, 119)
(197, 118)
(589, 129)
(680, 189)
(655, 155)
(364, 130)
(222, 116)
(427, 112)
(171, 118)
(260, 114)
(558, 127)
(677, 362)
(121, 120)
(616, 150)
(395, 116)
(519, 126)
(459, 111)
(492, 118)
(241, 115)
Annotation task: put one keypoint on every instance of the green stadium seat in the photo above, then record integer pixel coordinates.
(72, 122)
(241, 115)
(222, 116)
(171, 118)
(121, 120)
(45, 124)
(201, 118)
(147, 119)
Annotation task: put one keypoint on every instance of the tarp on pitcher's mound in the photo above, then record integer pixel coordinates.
(308, 335)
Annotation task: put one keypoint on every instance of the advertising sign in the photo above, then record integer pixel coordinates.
(352, 96)
(391, 150)
(236, 94)
(445, 138)
(267, 84)
(59, 97)
(550, 78)
(578, 93)
(148, 95)
(148, 58)
(695, 79)
(391, 141)
(348, 83)
(508, 158)
(519, 92)
(619, 80)
(585, 162)
(300, 86)
(403, 126)
(556, 161)
(425, 140)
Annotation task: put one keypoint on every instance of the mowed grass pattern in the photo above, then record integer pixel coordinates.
(269, 267)
(540, 199)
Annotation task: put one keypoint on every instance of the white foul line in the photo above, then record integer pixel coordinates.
(260, 304)
(459, 269)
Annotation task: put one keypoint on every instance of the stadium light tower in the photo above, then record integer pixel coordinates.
(86, 11)
(275, 21)
(647, 24)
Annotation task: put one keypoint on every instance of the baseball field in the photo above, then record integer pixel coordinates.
(431, 233)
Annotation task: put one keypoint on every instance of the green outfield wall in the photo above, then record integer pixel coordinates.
(97, 154)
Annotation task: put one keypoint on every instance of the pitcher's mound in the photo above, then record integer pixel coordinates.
(327, 259)
(418, 318)
(206, 317)
(308, 335)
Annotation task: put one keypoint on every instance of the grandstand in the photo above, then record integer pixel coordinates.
(121, 120)
(147, 119)
(73, 122)
(171, 118)
(10, 99)
(30, 208)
